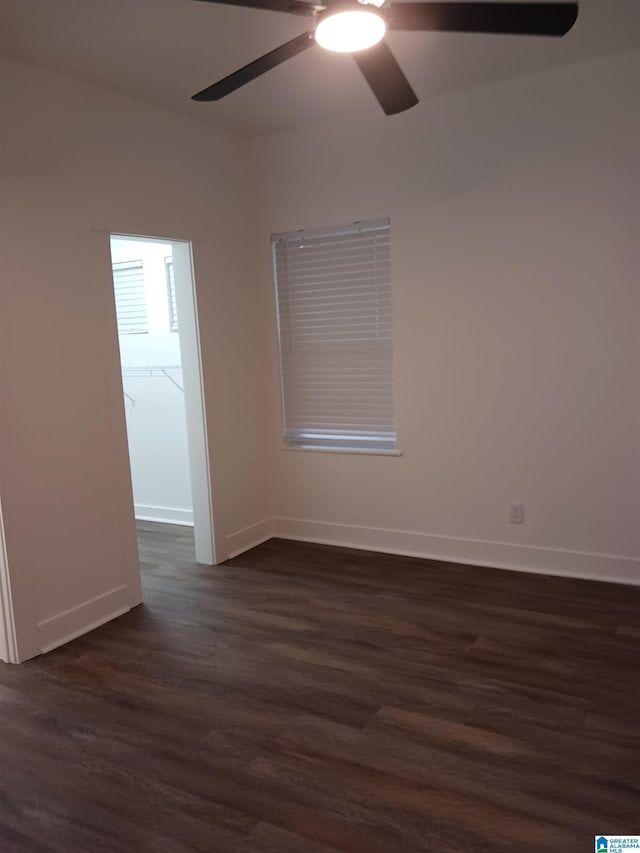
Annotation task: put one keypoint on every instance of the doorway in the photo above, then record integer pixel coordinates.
(156, 315)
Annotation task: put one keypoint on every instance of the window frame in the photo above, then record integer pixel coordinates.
(171, 294)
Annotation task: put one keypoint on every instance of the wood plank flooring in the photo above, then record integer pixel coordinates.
(306, 699)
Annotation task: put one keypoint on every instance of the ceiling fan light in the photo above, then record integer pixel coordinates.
(350, 30)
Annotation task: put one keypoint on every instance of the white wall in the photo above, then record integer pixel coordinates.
(154, 403)
(73, 159)
(514, 215)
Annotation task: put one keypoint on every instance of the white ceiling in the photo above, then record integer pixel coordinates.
(162, 51)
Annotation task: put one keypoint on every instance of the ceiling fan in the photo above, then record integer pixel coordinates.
(358, 27)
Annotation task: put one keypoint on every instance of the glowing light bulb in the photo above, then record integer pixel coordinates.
(350, 30)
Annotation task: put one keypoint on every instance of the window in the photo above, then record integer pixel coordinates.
(131, 305)
(171, 294)
(336, 356)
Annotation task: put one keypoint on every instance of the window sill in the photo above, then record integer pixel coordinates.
(354, 450)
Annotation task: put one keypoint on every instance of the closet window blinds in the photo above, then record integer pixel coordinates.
(131, 305)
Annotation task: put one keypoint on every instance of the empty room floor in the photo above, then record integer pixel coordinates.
(309, 698)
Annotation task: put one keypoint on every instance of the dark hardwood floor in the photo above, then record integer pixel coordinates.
(308, 698)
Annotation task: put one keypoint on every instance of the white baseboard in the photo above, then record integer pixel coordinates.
(62, 627)
(164, 514)
(477, 552)
(248, 537)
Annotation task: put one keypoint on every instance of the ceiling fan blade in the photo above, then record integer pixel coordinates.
(293, 7)
(256, 68)
(385, 77)
(533, 19)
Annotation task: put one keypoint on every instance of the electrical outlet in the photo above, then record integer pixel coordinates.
(516, 513)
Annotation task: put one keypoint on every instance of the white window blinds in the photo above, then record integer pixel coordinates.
(336, 354)
(131, 304)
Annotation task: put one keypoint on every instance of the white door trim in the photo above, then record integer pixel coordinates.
(194, 403)
(8, 639)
